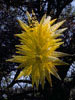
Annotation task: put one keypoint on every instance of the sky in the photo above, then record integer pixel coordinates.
(73, 3)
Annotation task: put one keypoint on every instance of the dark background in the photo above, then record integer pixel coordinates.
(10, 11)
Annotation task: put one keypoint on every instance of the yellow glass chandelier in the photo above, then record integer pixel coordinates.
(37, 53)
